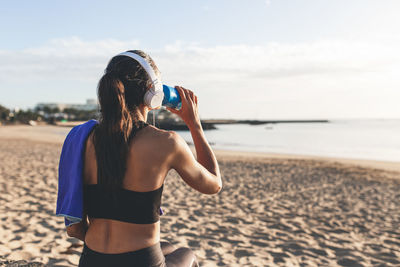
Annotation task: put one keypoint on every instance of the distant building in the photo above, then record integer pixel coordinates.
(91, 104)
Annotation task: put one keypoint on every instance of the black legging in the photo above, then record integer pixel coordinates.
(178, 257)
(162, 254)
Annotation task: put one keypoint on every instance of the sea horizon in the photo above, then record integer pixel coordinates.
(368, 139)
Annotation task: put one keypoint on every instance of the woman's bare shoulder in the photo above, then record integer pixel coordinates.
(160, 134)
(156, 139)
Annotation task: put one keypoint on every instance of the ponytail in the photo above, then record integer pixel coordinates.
(115, 113)
(112, 136)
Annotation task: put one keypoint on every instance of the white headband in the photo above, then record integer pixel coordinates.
(157, 84)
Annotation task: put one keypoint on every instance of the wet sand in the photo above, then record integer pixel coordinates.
(274, 210)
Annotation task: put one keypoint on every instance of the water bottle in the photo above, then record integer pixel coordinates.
(172, 98)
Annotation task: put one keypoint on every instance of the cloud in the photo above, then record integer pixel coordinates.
(60, 58)
(272, 72)
(81, 59)
(276, 60)
(74, 46)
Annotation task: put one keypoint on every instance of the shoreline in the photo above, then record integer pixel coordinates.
(375, 164)
(56, 135)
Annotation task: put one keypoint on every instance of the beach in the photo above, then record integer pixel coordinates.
(273, 210)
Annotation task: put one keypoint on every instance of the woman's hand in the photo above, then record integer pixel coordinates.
(79, 230)
(189, 112)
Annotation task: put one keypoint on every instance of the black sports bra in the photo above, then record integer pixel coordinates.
(127, 206)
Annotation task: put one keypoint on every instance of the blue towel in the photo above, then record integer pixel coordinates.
(70, 180)
(70, 170)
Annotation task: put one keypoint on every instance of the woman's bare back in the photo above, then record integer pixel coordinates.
(148, 163)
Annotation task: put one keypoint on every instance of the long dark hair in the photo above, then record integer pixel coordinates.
(120, 93)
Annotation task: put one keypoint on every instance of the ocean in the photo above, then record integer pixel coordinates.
(353, 139)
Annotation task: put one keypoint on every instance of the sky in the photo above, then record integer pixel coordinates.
(245, 59)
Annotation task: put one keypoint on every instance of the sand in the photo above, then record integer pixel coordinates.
(274, 210)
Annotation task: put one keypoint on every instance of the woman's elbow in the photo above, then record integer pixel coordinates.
(218, 189)
(219, 183)
(218, 186)
(215, 189)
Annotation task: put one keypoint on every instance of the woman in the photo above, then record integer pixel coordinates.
(126, 162)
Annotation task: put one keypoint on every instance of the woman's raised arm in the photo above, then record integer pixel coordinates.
(202, 174)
